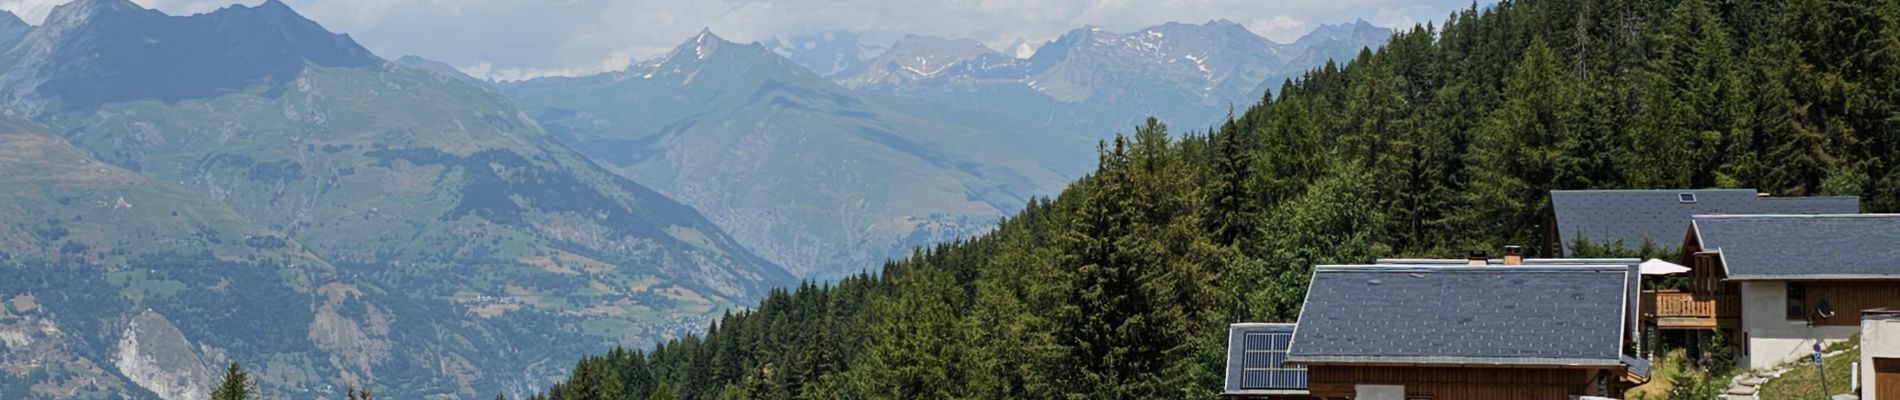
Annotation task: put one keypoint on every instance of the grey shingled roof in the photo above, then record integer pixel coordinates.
(1630, 216)
(1773, 247)
(1454, 315)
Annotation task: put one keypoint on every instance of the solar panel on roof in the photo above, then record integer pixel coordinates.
(1260, 359)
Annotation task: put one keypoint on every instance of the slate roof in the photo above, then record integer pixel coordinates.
(1559, 315)
(1780, 247)
(1500, 262)
(1630, 216)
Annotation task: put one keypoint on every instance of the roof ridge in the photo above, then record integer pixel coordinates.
(1792, 216)
(1527, 260)
(1654, 190)
(1469, 268)
(1844, 196)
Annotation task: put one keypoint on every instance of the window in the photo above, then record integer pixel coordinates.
(1379, 392)
(1686, 198)
(1797, 300)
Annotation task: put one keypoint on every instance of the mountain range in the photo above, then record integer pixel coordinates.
(243, 185)
(822, 179)
(829, 160)
(1100, 82)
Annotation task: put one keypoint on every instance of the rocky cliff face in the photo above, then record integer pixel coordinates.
(156, 356)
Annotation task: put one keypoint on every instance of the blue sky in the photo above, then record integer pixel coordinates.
(513, 39)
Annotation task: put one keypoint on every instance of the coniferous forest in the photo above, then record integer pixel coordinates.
(1446, 140)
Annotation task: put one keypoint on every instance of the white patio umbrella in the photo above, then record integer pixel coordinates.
(1660, 267)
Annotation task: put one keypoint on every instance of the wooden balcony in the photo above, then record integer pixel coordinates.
(1672, 309)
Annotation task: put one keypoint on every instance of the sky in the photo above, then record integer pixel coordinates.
(517, 39)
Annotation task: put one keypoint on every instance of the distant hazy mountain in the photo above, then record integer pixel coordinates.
(1101, 82)
(814, 176)
(11, 26)
(243, 185)
(826, 53)
(1339, 42)
(918, 58)
(90, 53)
(440, 69)
(827, 161)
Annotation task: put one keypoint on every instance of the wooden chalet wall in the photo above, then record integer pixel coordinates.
(1448, 383)
(1847, 298)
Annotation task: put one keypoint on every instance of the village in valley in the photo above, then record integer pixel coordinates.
(1770, 288)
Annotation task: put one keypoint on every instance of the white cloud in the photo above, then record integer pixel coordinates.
(1394, 19)
(515, 38)
(33, 11)
(1278, 28)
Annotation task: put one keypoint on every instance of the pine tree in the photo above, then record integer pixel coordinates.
(914, 351)
(1335, 222)
(1104, 316)
(363, 394)
(1527, 148)
(593, 380)
(664, 392)
(235, 385)
(1292, 153)
(1230, 209)
(1685, 115)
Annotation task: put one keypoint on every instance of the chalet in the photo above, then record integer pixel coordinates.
(1438, 330)
(1779, 283)
(1633, 217)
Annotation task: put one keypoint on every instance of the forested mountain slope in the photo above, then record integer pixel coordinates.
(1447, 139)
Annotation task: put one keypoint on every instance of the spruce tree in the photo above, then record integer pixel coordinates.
(1527, 148)
(235, 385)
(914, 351)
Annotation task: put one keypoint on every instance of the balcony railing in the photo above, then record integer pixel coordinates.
(1673, 308)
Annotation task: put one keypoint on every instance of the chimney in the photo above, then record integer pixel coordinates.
(1477, 259)
(1513, 255)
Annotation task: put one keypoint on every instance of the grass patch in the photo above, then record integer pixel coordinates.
(1803, 382)
(606, 327)
(1675, 376)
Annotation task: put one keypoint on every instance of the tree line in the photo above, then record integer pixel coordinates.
(1447, 139)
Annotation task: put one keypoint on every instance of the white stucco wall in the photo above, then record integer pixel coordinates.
(1772, 337)
(1879, 337)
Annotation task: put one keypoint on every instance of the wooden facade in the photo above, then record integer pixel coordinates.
(1713, 301)
(1460, 383)
(1848, 297)
(1887, 374)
